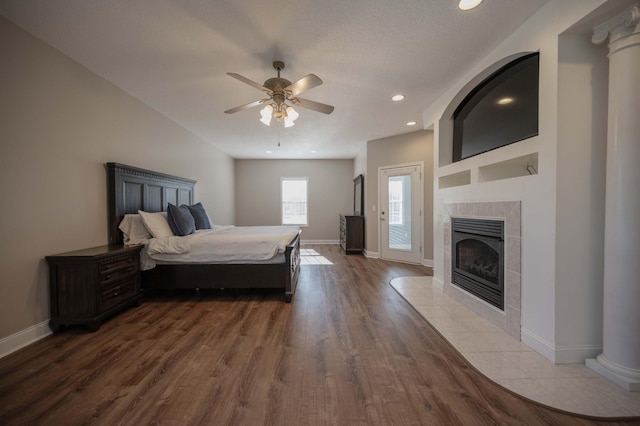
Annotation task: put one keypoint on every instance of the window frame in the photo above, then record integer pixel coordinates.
(396, 218)
(284, 179)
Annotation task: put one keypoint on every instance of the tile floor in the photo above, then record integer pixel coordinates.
(512, 364)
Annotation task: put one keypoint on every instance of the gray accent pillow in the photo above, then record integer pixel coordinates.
(199, 215)
(180, 220)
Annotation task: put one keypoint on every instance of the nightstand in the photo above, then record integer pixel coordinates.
(86, 286)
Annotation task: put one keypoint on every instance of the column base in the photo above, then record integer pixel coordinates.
(628, 378)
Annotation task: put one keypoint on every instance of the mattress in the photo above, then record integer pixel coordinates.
(222, 244)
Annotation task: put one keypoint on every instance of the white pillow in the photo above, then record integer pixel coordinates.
(133, 229)
(156, 223)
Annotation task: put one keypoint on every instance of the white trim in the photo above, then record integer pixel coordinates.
(372, 254)
(427, 262)
(538, 344)
(419, 165)
(576, 354)
(559, 354)
(24, 338)
(628, 378)
(333, 242)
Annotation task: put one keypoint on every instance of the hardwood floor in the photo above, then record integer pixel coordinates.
(348, 350)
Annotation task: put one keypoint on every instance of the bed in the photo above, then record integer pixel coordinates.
(130, 189)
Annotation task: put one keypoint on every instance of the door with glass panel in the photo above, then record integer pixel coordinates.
(401, 213)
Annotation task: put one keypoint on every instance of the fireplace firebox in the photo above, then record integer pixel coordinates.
(477, 258)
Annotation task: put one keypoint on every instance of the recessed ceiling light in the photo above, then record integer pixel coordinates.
(411, 123)
(468, 4)
(268, 152)
(505, 101)
(397, 97)
(314, 152)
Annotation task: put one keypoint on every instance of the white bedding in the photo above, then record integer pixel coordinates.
(222, 244)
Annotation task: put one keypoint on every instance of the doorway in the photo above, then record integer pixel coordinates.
(401, 212)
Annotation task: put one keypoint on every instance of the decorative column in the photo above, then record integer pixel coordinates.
(620, 359)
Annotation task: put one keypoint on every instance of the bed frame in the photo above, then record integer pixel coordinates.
(130, 189)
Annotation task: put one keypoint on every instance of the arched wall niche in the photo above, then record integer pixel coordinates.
(445, 138)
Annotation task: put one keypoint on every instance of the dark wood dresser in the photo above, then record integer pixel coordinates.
(86, 286)
(352, 233)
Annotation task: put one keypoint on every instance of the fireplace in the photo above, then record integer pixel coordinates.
(477, 258)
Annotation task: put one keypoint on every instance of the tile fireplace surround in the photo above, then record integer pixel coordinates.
(509, 212)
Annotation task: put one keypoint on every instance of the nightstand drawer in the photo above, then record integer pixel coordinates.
(115, 270)
(110, 277)
(119, 292)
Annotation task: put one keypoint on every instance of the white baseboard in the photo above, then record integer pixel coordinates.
(23, 338)
(538, 344)
(577, 354)
(305, 242)
(376, 255)
(628, 378)
(570, 354)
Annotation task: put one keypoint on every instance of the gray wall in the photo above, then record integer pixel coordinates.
(59, 124)
(257, 185)
(400, 149)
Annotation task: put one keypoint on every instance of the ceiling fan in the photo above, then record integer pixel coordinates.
(282, 95)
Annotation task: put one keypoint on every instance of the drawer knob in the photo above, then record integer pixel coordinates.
(115, 293)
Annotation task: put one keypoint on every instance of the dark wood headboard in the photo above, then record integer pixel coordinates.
(130, 189)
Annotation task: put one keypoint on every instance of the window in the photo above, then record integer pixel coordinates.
(395, 201)
(294, 201)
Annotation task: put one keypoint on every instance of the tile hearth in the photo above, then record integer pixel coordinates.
(511, 363)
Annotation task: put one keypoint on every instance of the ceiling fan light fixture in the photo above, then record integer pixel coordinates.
(292, 114)
(266, 113)
(281, 91)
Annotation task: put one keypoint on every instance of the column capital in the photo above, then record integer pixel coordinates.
(618, 26)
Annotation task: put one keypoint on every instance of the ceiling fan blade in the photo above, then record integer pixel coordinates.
(250, 82)
(313, 105)
(307, 82)
(245, 106)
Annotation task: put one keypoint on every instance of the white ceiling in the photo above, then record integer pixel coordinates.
(174, 55)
